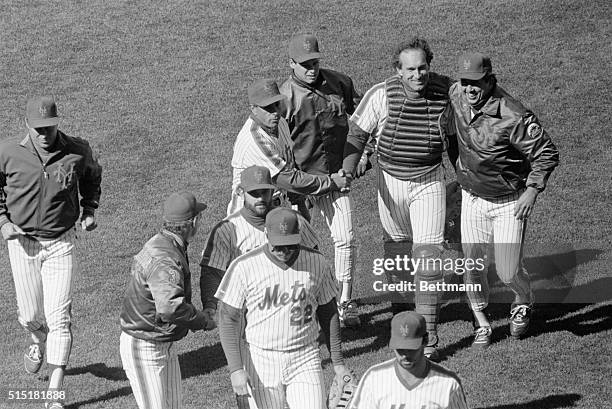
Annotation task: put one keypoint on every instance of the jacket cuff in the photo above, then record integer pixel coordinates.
(89, 211)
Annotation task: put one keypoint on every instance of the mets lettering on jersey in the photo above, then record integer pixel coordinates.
(281, 300)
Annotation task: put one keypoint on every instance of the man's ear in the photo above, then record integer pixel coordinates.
(292, 63)
(240, 191)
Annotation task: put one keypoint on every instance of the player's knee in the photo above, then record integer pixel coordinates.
(31, 323)
(428, 262)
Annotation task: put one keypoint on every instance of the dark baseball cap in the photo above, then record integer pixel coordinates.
(256, 177)
(181, 206)
(282, 227)
(407, 330)
(474, 66)
(304, 47)
(41, 112)
(264, 92)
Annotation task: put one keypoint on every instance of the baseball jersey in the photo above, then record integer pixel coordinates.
(255, 147)
(281, 300)
(381, 388)
(235, 236)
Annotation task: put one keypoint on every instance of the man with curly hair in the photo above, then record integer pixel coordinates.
(403, 114)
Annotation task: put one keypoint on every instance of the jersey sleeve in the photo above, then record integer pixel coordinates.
(309, 237)
(269, 154)
(219, 250)
(457, 398)
(232, 290)
(328, 283)
(369, 111)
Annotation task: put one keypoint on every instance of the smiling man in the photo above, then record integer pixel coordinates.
(264, 141)
(505, 160)
(403, 115)
(409, 380)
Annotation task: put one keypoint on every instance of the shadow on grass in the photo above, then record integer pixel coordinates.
(549, 402)
(100, 370)
(125, 391)
(202, 360)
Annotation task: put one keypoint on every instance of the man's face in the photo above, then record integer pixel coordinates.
(284, 253)
(414, 69)
(307, 71)
(44, 137)
(259, 201)
(409, 358)
(268, 116)
(477, 91)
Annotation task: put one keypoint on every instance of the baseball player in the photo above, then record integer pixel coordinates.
(41, 176)
(157, 309)
(318, 104)
(403, 113)
(410, 380)
(505, 159)
(241, 232)
(264, 140)
(287, 289)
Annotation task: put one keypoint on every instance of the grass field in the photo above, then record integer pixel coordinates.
(159, 88)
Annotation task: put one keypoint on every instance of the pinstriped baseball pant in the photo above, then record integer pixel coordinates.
(481, 219)
(286, 378)
(337, 209)
(43, 270)
(153, 370)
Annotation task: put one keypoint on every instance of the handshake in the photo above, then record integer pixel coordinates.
(343, 179)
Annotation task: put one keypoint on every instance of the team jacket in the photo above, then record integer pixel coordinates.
(43, 198)
(318, 119)
(503, 148)
(157, 304)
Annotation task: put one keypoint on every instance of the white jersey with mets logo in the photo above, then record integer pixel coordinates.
(235, 236)
(281, 300)
(381, 388)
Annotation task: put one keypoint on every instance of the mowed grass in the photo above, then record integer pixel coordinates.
(159, 88)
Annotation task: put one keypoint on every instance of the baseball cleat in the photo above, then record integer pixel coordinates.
(347, 312)
(33, 358)
(431, 353)
(519, 320)
(482, 337)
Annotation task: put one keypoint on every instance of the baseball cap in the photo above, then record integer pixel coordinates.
(181, 206)
(256, 177)
(474, 66)
(41, 112)
(304, 47)
(407, 330)
(282, 227)
(264, 92)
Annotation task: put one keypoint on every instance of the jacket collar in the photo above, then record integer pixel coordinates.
(60, 143)
(178, 240)
(491, 107)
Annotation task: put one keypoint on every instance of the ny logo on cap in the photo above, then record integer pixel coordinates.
(309, 46)
(405, 330)
(43, 111)
(466, 64)
(259, 176)
(283, 227)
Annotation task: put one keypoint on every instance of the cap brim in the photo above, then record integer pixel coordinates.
(472, 75)
(42, 123)
(260, 186)
(403, 343)
(286, 240)
(270, 100)
(306, 57)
